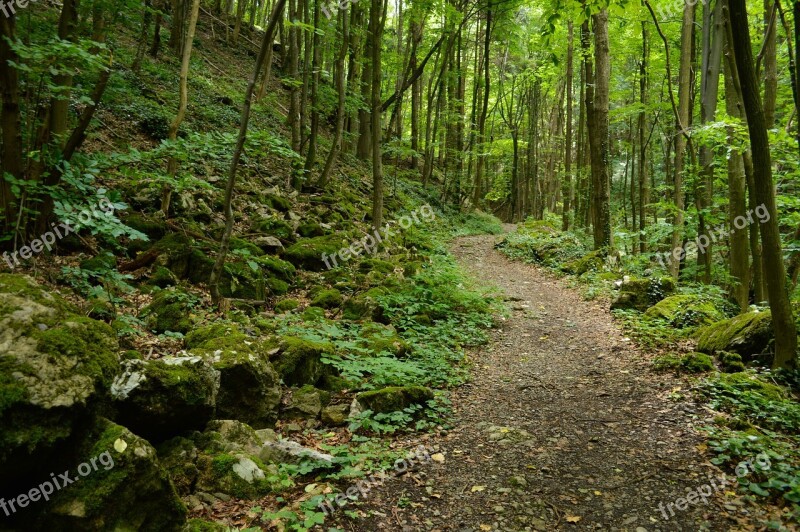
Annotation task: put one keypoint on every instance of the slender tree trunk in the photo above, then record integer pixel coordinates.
(739, 246)
(219, 264)
(11, 161)
(340, 90)
(568, 191)
(294, 90)
(376, 20)
(682, 122)
(172, 163)
(783, 323)
(644, 182)
(316, 66)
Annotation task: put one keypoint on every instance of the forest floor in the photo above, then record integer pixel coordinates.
(564, 426)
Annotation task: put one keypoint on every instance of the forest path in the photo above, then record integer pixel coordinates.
(563, 427)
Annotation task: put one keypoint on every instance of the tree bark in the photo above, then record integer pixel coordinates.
(219, 264)
(782, 320)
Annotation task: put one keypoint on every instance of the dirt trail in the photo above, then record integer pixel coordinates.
(564, 427)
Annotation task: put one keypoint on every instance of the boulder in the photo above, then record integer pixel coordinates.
(126, 489)
(393, 398)
(306, 403)
(379, 339)
(642, 293)
(308, 252)
(56, 368)
(335, 415)
(290, 452)
(171, 310)
(162, 398)
(748, 334)
(591, 262)
(685, 310)
(249, 388)
(327, 299)
(364, 306)
(299, 361)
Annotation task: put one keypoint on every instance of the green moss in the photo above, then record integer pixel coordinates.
(200, 525)
(731, 362)
(278, 268)
(277, 287)
(313, 314)
(202, 335)
(277, 202)
(371, 264)
(364, 305)
(394, 398)
(241, 244)
(747, 334)
(162, 277)
(99, 263)
(300, 360)
(667, 362)
(308, 230)
(641, 293)
(327, 299)
(382, 339)
(171, 310)
(286, 305)
(685, 310)
(308, 253)
(697, 363)
(592, 261)
(273, 227)
(750, 382)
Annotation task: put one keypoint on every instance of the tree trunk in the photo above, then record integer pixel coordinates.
(376, 21)
(782, 320)
(219, 264)
(644, 182)
(11, 161)
(340, 90)
(172, 163)
(568, 191)
(597, 105)
(316, 66)
(682, 122)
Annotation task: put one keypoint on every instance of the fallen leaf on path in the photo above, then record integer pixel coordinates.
(573, 518)
(486, 527)
(438, 458)
(477, 488)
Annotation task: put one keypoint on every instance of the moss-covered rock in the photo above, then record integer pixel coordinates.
(299, 361)
(273, 227)
(382, 339)
(730, 362)
(748, 334)
(364, 305)
(277, 287)
(176, 253)
(592, 261)
(249, 388)
(306, 403)
(201, 525)
(55, 370)
(278, 268)
(308, 230)
(378, 265)
(327, 299)
(746, 381)
(335, 415)
(696, 363)
(163, 398)
(685, 310)
(171, 310)
(394, 398)
(309, 253)
(127, 489)
(640, 293)
(99, 263)
(235, 473)
(202, 335)
(313, 314)
(286, 305)
(278, 203)
(162, 277)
